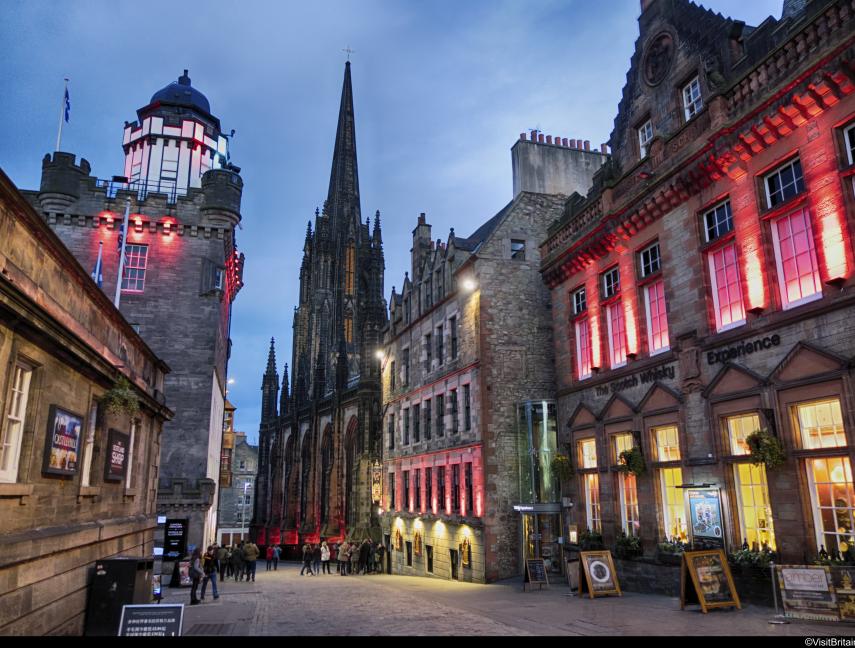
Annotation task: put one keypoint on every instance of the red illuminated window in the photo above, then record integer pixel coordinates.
(617, 334)
(795, 256)
(583, 349)
(657, 320)
(726, 290)
(133, 276)
(849, 136)
(784, 182)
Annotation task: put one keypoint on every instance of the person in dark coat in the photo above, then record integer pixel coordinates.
(316, 557)
(307, 559)
(363, 557)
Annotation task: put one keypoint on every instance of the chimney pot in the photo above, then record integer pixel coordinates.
(549, 139)
(572, 143)
(540, 137)
(563, 141)
(587, 145)
(522, 137)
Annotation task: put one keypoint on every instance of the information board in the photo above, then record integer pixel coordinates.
(175, 542)
(155, 620)
(807, 592)
(116, 464)
(711, 581)
(706, 528)
(598, 576)
(535, 573)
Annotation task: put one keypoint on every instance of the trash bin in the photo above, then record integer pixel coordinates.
(116, 582)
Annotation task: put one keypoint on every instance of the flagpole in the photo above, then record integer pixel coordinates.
(61, 115)
(97, 272)
(118, 296)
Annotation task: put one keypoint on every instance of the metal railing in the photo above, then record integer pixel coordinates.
(143, 188)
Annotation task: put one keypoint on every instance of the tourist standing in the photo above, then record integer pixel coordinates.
(277, 553)
(354, 558)
(223, 561)
(342, 558)
(196, 573)
(316, 557)
(269, 557)
(237, 561)
(307, 559)
(250, 555)
(209, 566)
(325, 558)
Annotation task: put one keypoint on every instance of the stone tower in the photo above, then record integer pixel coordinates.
(182, 272)
(326, 438)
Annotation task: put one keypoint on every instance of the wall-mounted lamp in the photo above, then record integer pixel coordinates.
(469, 284)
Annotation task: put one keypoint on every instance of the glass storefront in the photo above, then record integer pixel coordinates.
(537, 446)
(540, 539)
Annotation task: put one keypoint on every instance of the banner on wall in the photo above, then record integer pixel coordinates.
(62, 445)
(705, 519)
(118, 447)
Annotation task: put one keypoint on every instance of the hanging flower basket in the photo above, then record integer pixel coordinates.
(121, 399)
(561, 467)
(765, 449)
(632, 461)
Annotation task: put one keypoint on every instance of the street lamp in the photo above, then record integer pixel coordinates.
(469, 284)
(243, 509)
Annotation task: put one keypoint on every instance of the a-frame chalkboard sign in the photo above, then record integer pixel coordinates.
(705, 579)
(535, 573)
(597, 575)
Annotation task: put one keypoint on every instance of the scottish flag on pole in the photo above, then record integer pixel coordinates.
(97, 273)
(67, 105)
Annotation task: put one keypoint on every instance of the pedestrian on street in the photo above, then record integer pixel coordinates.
(334, 553)
(269, 556)
(316, 557)
(354, 558)
(196, 573)
(237, 561)
(223, 561)
(381, 551)
(277, 552)
(363, 556)
(250, 555)
(307, 559)
(371, 550)
(342, 558)
(209, 566)
(325, 558)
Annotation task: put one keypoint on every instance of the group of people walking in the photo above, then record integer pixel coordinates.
(350, 558)
(237, 561)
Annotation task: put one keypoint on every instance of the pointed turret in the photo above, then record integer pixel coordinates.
(343, 197)
(378, 238)
(269, 386)
(284, 395)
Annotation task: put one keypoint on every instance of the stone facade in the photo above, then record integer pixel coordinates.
(318, 441)
(62, 346)
(192, 274)
(236, 500)
(737, 345)
(469, 341)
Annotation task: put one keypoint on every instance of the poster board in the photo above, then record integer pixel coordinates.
(843, 579)
(116, 462)
(535, 573)
(807, 592)
(155, 620)
(62, 442)
(598, 576)
(705, 579)
(706, 528)
(175, 544)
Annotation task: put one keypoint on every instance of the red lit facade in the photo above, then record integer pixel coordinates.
(732, 235)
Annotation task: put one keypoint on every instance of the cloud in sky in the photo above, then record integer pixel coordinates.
(442, 90)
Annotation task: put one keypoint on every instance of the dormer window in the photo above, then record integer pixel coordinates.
(645, 134)
(692, 101)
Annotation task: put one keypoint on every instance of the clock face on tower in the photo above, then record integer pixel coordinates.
(658, 58)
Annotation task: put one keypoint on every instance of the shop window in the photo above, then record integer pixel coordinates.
(674, 511)
(667, 443)
(726, 288)
(795, 256)
(649, 260)
(587, 453)
(628, 487)
(718, 221)
(583, 349)
(833, 500)
(592, 501)
(517, 250)
(692, 101)
(784, 183)
(617, 334)
(645, 134)
(133, 275)
(13, 432)
(738, 428)
(821, 424)
(622, 443)
(611, 282)
(657, 318)
(755, 511)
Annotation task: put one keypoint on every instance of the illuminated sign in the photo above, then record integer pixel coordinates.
(651, 375)
(743, 348)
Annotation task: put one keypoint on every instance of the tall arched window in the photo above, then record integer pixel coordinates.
(326, 474)
(350, 474)
(348, 328)
(305, 470)
(350, 269)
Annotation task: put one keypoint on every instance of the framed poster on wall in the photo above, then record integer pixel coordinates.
(62, 445)
(116, 464)
(706, 528)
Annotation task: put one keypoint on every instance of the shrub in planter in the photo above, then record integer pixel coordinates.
(627, 546)
(670, 552)
(121, 399)
(632, 461)
(765, 449)
(753, 562)
(590, 540)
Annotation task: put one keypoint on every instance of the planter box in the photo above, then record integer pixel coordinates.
(753, 584)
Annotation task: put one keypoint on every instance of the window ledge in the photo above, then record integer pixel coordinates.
(88, 491)
(24, 491)
(130, 493)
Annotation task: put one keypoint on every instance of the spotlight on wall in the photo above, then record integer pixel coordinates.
(379, 355)
(469, 284)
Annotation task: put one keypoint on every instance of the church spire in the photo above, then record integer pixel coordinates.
(284, 395)
(269, 386)
(344, 177)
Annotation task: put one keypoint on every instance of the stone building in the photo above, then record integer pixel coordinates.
(182, 271)
(317, 443)
(236, 499)
(468, 384)
(77, 483)
(703, 290)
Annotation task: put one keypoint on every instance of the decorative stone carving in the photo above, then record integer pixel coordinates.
(658, 59)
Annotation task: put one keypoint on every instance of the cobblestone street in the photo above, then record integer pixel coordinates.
(285, 603)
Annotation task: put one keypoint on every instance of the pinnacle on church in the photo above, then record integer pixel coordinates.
(271, 358)
(376, 233)
(285, 395)
(344, 177)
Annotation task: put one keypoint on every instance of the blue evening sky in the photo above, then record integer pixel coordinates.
(441, 91)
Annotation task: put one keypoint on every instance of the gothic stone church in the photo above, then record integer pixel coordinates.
(318, 449)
